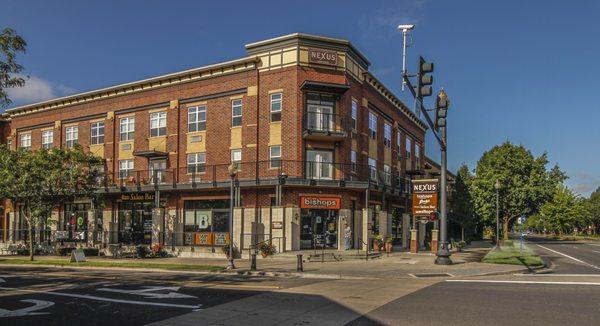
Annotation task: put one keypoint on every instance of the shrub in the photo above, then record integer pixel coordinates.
(266, 248)
(142, 251)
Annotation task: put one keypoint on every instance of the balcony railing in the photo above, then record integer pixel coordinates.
(323, 126)
(217, 174)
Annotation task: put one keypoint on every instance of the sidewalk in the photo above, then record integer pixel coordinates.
(396, 265)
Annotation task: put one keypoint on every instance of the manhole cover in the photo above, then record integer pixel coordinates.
(431, 275)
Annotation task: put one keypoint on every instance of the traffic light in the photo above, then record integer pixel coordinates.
(441, 109)
(424, 81)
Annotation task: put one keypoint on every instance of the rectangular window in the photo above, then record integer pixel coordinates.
(72, 136)
(236, 155)
(25, 141)
(354, 114)
(47, 139)
(197, 118)
(275, 156)
(399, 144)
(196, 162)
(373, 168)
(236, 113)
(319, 164)
(408, 147)
(158, 124)
(97, 132)
(125, 169)
(276, 100)
(417, 156)
(127, 126)
(387, 135)
(353, 161)
(372, 125)
(387, 174)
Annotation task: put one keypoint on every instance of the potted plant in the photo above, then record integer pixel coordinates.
(460, 245)
(266, 249)
(377, 241)
(389, 246)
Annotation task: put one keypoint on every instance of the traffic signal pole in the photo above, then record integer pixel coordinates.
(439, 131)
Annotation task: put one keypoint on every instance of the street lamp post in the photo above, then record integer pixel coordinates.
(443, 254)
(497, 185)
(232, 173)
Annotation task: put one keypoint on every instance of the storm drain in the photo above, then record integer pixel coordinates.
(422, 275)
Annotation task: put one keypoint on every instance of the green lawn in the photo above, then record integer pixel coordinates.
(127, 264)
(510, 253)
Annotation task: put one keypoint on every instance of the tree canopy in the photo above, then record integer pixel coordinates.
(461, 203)
(10, 44)
(525, 182)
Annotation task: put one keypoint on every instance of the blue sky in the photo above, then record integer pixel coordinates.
(515, 70)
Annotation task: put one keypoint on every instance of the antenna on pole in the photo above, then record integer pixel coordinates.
(404, 29)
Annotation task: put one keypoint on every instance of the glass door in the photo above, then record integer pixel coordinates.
(157, 169)
(320, 117)
(319, 165)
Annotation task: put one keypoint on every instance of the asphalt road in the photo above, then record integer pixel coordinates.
(34, 296)
(568, 257)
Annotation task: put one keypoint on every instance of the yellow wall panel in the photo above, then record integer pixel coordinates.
(387, 156)
(274, 134)
(236, 137)
(97, 150)
(372, 148)
(196, 146)
(290, 57)
(125, 154)
(157, 144)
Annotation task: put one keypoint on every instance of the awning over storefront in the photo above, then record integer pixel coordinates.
(150, 154)
(324, 87)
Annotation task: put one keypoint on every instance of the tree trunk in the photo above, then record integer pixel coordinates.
(462, 233)
(505, 228)
(30, 242)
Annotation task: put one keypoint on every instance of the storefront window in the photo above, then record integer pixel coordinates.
(135, 222)
(75, 222)
(206, 222)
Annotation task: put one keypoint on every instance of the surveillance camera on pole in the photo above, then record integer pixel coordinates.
(404, 29)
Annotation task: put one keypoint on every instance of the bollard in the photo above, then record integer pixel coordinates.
(299, 266)
(253, 262)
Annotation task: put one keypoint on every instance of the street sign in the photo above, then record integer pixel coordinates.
(425, 197)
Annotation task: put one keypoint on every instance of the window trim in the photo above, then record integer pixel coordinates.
(387, 142)
(160, 131)
(22, 138)
(354, 114)
(127, 170)
(274, 158)
(197, 163)
(372, 132)
(98, 137)
(198, 122)
(75, 136)
(49, 144)
(353, 161)
(130, 123)
(233, 116)
(277, 111)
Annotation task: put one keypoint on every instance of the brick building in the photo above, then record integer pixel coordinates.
(316, 142)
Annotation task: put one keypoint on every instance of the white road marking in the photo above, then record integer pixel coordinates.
(570, 257)
(594, 244)
(525, 282)
(596, 251)
(28, 311)
(149, 292)
(558, 275)
(91, 297)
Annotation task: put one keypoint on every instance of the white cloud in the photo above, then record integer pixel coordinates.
(37, 89)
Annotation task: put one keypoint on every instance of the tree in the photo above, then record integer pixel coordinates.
(461, 204)
(37, 182)
(593, 207)
(563, 212)
(10, 44)
(525, 183)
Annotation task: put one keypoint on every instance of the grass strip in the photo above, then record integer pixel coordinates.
(513, 255)
(67, 263)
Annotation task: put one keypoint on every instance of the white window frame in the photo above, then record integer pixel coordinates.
(195, 118)
(387, 174)
(274, 159)
(25, 140)
(127, 128)
(399, 143)
(125, 169)
(387, 135)
(72, 135)
(417, 155)
(373, 168)
(353, 165)
(158, 124)
(372, 125)
(98, 138)
(196, 162)
(236, 119)
(274, 111)
(354, 114)
(408, 147)
(47, 139)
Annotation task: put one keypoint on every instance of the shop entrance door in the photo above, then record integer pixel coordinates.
(318, 229)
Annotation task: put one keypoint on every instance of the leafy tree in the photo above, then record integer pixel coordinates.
(563, 212)
(593, 207)
(525, 183)
(39, 181)
(461, 204)
(10, 44)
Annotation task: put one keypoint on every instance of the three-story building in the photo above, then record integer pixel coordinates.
(310, 139)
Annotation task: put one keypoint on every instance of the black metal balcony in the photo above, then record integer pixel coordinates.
(324, 126)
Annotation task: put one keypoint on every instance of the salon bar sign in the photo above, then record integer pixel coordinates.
(424, 197)
(145, 196)
(324, 57)
(318, 202)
